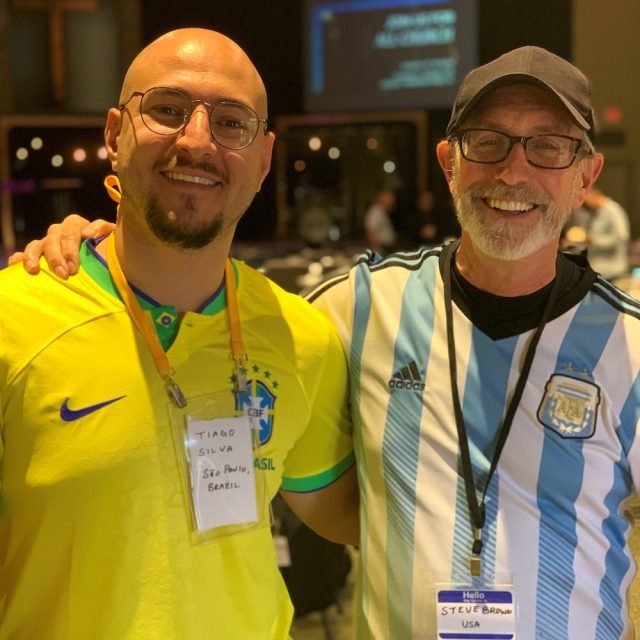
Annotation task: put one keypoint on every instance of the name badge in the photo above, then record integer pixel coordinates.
(475, 614)
(223, 485)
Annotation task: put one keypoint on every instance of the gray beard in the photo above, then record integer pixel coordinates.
(500, 238)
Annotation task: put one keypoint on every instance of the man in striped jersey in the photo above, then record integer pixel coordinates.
(496, 388)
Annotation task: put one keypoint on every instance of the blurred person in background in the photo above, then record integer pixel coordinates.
(379, 230)
(601, 227)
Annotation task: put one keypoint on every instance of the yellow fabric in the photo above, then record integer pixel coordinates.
(94, 531)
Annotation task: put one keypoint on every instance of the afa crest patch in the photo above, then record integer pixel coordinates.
(570, 406)
(258, 403)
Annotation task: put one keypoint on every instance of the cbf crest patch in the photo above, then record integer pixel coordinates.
(259, 400)
(570, 406)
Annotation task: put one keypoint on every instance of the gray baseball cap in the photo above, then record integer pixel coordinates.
(530, 65)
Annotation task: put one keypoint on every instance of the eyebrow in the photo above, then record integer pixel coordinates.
(211, 101)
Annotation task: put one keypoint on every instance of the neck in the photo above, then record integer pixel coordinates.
(170, 275)
(507, 278)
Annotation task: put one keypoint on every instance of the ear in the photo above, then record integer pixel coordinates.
(267, 152)
(444, 151)
(589, 171)
(111, 135)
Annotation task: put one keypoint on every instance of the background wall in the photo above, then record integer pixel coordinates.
(271, 33)
(600, 37)
(606, 46)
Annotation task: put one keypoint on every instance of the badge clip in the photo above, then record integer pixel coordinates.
(476, 550)
(240, 373)
(175, 392)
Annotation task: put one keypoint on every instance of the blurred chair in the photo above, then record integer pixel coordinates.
(286, 271)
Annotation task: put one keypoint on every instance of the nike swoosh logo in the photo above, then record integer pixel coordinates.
(69, 415)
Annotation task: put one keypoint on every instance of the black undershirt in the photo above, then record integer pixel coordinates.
(500, 317)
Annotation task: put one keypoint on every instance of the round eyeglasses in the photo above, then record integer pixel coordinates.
(547, 151)
(167, 111)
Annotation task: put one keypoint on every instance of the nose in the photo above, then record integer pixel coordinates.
(195, 138)
(515, 168)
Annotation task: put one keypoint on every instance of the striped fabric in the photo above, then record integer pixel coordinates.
(554, 511)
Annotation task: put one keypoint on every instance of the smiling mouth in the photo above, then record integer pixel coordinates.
(175, 175)
(511, 206)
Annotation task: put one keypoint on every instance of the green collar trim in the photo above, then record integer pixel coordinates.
(166, 319)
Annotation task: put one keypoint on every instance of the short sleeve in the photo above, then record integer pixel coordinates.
(325, 449)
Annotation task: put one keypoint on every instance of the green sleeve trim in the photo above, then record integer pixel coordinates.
(320, 480)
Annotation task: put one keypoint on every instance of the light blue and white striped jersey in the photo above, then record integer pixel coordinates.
(554, 507)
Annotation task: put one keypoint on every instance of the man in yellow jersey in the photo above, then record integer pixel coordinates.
(155, 403)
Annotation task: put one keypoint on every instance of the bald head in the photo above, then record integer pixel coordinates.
(181, 186)
(196, 51)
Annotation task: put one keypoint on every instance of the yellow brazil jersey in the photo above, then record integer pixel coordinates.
(94, 527)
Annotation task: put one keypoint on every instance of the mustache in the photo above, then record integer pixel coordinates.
(521, 192)
(180, 162)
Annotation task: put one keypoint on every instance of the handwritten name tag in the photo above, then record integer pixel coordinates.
(221, 469)
(475, 613)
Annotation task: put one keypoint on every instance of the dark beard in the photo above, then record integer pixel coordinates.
(175, 234)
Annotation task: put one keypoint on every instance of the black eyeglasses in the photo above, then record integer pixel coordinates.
(547, 151)
(167, 111)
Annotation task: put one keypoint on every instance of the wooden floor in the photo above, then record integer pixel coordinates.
(314, 626)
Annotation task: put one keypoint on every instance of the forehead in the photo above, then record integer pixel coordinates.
(202, 69)
(522, 104)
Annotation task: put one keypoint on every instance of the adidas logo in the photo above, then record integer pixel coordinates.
(407, 378)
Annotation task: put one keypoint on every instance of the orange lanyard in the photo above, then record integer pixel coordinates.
(238, 351)
(148, 333)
